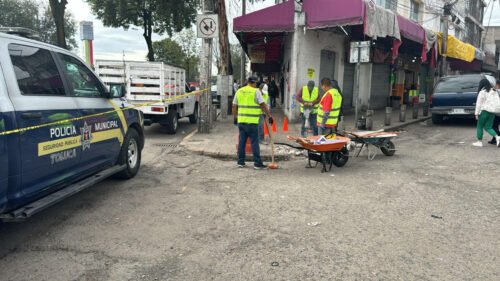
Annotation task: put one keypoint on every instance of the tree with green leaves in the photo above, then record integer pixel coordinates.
(236, 61)
(182, 50)
(158, 16)
(169, 52)
(30, 14)
(191, 48)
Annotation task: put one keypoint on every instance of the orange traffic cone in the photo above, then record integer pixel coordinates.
(285, 125)
(274, 127)
(266, 130)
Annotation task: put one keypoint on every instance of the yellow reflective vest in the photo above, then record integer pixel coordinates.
(309, 97)
(248, 111)
(333, 118)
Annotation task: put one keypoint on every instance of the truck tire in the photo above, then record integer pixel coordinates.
(437, 119)
(193, 118)
(172, 121)
(130, 155)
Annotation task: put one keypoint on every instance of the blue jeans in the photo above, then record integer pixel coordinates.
(249, 131)
(312, 124)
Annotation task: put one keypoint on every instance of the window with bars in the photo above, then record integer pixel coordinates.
(388, 4)
(414, 10)
(472, 33)
(475, 9)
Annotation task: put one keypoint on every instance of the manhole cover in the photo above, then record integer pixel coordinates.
(166, 144)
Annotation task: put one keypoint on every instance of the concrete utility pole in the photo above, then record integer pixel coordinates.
(242, 71)
(444, 45)
(205, 121)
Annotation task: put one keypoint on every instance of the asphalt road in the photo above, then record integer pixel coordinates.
(431, 212)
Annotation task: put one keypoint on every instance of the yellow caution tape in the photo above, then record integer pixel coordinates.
(65, 121)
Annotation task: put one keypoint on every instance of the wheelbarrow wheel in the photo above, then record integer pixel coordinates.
(389, 149)
(340, 158)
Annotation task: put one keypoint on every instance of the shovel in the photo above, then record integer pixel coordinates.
(273, 165)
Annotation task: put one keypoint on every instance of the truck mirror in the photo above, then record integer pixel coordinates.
(116, 91)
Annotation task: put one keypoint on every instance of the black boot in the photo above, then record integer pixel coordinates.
(493, 141)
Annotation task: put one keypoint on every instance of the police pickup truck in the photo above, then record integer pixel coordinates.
(61, 129)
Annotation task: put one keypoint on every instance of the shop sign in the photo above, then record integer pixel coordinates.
(257, 56)
(310, 73)
(360, 50)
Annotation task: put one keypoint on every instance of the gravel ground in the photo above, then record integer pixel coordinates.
(431, 212)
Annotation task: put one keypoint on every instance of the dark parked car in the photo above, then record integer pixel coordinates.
(456, 96)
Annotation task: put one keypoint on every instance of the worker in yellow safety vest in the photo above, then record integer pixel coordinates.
(248, 105)
(329, 108)
(309, 98)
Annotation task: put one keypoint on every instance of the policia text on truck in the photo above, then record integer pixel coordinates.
(61, 130)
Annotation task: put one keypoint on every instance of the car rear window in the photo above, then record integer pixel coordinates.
(458, 84)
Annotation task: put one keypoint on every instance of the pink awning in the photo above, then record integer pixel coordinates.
(328, 13)
(277, 18)
(411, 30)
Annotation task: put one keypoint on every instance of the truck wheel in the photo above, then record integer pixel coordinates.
(172, 121)
(130, 155)
(193, 118)
(437, 119)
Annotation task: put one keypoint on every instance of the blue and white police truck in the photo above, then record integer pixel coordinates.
(61, 128)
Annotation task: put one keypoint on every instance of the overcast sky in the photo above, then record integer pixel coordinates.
(110, 43)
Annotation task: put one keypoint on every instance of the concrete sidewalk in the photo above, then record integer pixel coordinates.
(221, 142)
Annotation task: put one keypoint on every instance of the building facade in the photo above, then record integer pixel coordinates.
(306, 40)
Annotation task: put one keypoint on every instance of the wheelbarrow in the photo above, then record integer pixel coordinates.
(379, 139)
(328, 150)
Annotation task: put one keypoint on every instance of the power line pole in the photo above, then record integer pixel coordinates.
(205, 121)
(444, 45)
(242, 70)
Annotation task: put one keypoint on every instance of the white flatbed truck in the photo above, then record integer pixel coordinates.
(161, 86)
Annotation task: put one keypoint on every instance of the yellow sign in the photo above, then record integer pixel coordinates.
(310, 73)
(457, 49)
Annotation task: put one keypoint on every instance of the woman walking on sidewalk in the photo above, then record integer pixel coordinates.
(496, 122)
(485, 118)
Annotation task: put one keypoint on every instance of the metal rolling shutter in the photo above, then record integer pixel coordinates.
(380, 86)
(348, 85)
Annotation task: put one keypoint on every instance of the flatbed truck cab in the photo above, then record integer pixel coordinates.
(61, 128)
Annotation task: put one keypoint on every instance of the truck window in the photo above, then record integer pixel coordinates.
(36, 72)
(82, 81)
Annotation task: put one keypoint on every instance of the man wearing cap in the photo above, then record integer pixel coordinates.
(248, 105)
(309, 97)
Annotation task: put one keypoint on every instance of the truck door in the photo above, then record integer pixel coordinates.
(49, 154)
(105, 127)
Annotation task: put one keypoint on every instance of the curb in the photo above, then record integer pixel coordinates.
(227, 156)
(231, 157)
(405, 124)
(188, 137)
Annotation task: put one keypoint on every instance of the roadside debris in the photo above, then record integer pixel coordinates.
(437, 217)
(275, 263)
(314, 223)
